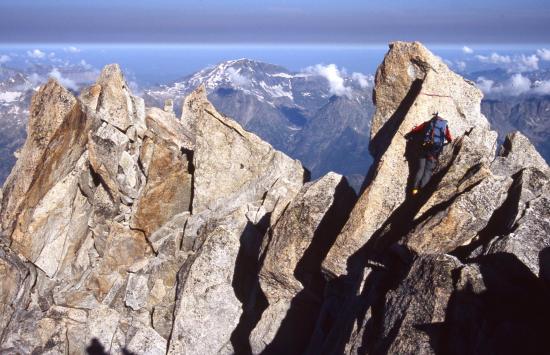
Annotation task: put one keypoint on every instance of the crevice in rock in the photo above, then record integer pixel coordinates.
(469, 173)
(374, 341)
(144, 235)
(181, 277)
(224, 123)
(246, 283)
(189, 154)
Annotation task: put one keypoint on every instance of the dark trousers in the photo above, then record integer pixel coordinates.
(426, 168)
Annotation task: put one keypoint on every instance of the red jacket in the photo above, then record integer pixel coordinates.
(419, 128)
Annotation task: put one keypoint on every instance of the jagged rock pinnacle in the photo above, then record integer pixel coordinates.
(410, 85)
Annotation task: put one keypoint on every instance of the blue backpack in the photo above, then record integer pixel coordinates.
(434, 135)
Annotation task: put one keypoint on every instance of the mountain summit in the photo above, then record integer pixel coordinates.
(126, 229)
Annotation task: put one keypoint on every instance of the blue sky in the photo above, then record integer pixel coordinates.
(274, 21)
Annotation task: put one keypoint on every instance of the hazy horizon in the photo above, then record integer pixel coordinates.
(274, 21)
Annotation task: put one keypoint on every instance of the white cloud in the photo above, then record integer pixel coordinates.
(461, 65)
(361, 79)
(518, 84)
(36, 53)
(527, 63)
(514, 86)
(541, 87)
(36, 79)
(66, 82)
(237, 78)
(467, 50)
(333, 76)
(485, 85)
(543, 53)
(72, 49)
(4, 58)
(85, 64)
(494, 58)
(516, 64)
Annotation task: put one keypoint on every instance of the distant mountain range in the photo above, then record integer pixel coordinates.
(320, 116)
(322, 119)
(521, 104)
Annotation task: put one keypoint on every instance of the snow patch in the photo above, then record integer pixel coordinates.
(282, 75)
(276, 90)
(9, 96)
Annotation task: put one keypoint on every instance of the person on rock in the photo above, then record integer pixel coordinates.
(434, 133)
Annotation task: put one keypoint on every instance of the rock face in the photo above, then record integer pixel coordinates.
(125, 229)
(433, 274)
(290, 276)
(410, 85)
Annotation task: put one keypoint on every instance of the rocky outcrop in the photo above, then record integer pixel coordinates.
(239, 183)
(122, 226)
(410, 85)
(126, 229)
(411, 266)
(290, 276)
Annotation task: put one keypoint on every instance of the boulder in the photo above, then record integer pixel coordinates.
(290, 276)
(168, 189)
(416, 306)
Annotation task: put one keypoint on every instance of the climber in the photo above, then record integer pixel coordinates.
(435, 132)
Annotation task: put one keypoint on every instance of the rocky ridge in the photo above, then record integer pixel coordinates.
(127, 229)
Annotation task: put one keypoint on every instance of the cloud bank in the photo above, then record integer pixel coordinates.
(361, 79)
(36, 53)
(519, 63)
(514, 86)
(4, 58)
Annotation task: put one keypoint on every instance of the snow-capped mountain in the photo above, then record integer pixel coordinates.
(320, 115)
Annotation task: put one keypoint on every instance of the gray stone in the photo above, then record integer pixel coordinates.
(136, 291)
